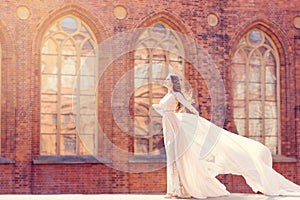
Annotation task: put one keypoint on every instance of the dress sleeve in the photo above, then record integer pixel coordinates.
(158, 108)
(185, 103)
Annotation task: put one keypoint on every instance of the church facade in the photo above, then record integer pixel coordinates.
(78, 79)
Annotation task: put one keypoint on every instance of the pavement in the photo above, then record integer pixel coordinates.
(235, 196)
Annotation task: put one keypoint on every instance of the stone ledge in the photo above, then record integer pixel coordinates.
(280, 158)
(70, 160)
(95, 159)
(6, 160)
(148, 159)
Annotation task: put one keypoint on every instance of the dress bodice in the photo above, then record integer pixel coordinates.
(168, 103)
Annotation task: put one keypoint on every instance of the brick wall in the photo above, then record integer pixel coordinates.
(20, 104)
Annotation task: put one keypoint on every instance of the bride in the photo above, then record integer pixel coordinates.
(189, 174)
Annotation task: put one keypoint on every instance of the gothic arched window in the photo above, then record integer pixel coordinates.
(67, 46)
(159, 51)
(256, 100)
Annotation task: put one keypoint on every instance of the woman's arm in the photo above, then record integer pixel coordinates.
(185, 103)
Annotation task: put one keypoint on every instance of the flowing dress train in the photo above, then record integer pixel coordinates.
(197, 151)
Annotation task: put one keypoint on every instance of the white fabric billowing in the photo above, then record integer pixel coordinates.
(197, 151)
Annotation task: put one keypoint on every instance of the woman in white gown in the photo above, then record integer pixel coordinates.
(192, 173)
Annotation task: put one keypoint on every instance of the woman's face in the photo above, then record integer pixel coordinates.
(168, 82)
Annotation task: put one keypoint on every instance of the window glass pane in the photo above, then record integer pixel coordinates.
(255, 127)
(49, 84)
(255, 109)
(239, 58)
(68, 144)
(157, 92)
(79, 39)
(177, 66)
(240, 126)
(271, 109)
(141, 145)
(66, 104)
(59, 38)
(254, 91)
(270, 60)
(239, 103)
(272, 144)
(49, 107)
(49, 98)
(87, 105)
(263, 50)
(271, 74)
(86, 144)
(239, 90)
(239, 112)
(255, 37)
(69, 65)
(87, 85)
(141, 107)
(49, 123)
(255, 73)
(141, 83)
(158, 145)
(271, 127)
(85, 30)
(88, 66)
(255, 58)
(156, 123)
(140, 132)
(141, 123)
(239, 73)
(88, 49)
(48, 144)
(49, 64)
(68, 124)
(142, 92)
(270, 92)
(247, 50)
(141, 72)
(69, 24)
(69, 48)
(159, 71)
(67, 84)
(142, 53)
(49, 47)
(89, 125)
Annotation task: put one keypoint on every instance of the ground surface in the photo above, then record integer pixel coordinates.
(136, 197)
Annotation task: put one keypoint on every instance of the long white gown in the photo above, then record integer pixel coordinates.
(197, 151)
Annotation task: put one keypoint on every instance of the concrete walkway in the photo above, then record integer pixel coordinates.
(136, 197)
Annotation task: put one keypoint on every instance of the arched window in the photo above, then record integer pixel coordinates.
(68, 46)
(159, 52)
(255, 76)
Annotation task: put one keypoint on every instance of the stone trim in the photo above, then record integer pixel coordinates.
(283, 159)
(70, 160)
(148, 159)
(6, 160)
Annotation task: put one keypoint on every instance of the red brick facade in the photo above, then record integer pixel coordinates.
(20, 40)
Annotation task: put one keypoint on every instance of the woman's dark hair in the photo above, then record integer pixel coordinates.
(176, 88)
